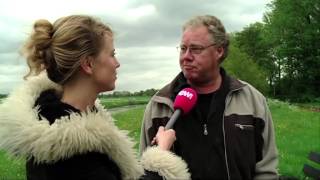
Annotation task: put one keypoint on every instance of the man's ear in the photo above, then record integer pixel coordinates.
(87, 65)
(220, 52)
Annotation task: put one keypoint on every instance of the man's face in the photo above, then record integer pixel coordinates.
(199, 57)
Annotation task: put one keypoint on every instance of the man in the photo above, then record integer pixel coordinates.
(229, 133)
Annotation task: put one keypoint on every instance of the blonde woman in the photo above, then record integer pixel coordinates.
(55, 121)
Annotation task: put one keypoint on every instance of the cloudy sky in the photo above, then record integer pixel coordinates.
(147, 32)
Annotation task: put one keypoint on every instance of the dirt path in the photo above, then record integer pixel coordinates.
(313, 109)
(124, 108)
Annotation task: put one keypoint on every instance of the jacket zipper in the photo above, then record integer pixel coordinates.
(244, 126)
(223, 130)
(224, 140)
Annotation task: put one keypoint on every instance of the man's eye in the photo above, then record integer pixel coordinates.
(195, 48)
(183, 48)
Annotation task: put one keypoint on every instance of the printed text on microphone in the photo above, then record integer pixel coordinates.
(186, 94)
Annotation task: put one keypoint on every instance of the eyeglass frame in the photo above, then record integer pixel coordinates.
(193, 49)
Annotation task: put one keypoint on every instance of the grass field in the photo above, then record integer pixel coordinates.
(11, 169)
(112, 102)
(131, 120)
(297, 133)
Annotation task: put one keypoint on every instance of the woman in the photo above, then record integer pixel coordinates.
(55, 120)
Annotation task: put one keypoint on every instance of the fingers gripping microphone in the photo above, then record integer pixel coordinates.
(184, 102)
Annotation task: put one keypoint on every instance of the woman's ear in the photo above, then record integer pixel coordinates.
(87, 65)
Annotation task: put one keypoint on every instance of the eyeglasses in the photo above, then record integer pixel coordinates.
(193, 49)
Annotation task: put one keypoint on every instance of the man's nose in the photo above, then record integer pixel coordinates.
(187, 55)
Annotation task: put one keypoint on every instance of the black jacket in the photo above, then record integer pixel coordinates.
(87, 166)
(64, 143)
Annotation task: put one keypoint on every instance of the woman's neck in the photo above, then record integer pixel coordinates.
(79, 95)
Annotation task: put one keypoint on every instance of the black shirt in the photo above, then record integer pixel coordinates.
(204, 152)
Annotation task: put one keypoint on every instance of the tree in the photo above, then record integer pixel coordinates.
(253, 41)
(293, 28)
(240, 65)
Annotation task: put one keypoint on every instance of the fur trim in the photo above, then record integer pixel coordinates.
(22, 133)
(165, 163)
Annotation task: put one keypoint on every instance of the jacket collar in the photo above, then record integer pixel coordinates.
(23, 134)
(179, 82)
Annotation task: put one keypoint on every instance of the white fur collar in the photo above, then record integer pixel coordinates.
(22, 134)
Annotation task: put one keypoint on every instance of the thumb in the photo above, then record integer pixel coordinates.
(161, 129)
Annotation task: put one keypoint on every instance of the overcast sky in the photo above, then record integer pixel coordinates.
(146, 32)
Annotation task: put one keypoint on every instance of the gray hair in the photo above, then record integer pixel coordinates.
(215, 29)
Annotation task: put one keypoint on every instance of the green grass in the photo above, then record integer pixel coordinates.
(10, 168)
(297, 133)
(131, 120)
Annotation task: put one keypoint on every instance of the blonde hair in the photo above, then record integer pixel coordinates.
(215, 29)
(59, 47)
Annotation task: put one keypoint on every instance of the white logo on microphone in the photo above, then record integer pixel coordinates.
(186, 94)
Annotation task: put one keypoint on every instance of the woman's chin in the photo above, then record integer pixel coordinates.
(111, 88)
(108, 88)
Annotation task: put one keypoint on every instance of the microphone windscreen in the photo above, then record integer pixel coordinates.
(185, 100)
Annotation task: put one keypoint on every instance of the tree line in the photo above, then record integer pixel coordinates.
(281, 55)
(147, 92)
(3, 96)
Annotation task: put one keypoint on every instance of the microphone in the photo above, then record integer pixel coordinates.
(183, 103)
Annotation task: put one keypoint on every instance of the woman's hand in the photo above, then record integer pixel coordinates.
(164, 138)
